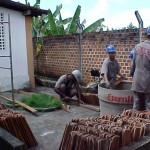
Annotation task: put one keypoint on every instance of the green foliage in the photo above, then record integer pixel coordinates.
(130, 26)
(93, 27)
(53, 24)
(41, 100)
(73, 25)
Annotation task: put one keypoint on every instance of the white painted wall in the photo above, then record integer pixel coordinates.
(19, 52)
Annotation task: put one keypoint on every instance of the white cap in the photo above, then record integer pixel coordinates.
(77, 74)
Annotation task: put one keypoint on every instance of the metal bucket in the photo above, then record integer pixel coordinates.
(113, 102)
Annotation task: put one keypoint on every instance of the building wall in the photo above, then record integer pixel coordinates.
(60, 54)
(19, 53)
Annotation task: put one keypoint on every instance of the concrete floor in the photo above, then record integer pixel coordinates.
(48, 127)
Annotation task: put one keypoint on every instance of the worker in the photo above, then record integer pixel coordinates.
(110, 69)
(141, 77)
(131, 57)
(67, 86)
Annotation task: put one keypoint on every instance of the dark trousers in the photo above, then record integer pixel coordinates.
(141, 101)
(71, 91)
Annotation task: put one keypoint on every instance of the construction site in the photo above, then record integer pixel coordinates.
(47, 127)
(34, 116)
(73, 126)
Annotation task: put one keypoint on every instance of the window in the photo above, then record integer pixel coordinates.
(2, 39)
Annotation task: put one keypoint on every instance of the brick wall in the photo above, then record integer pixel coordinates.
(60, 54)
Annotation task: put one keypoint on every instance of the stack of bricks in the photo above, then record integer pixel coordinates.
(90, 98)
(60, 54)
(16, 124)
(106, 132)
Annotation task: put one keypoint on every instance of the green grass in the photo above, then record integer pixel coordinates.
(41, 100)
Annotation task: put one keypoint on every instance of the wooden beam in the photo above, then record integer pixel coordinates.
(32, 110)
(92, 107)
(21, 92)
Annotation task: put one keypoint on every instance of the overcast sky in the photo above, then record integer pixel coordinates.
(117, 13)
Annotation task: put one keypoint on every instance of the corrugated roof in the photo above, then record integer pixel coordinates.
(22, 8)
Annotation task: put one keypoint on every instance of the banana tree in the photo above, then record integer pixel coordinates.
(37, 3)
(94, 26)
(72, 26)
(53, 24)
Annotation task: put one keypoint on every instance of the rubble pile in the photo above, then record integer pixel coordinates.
(106, 132)
(16, 124)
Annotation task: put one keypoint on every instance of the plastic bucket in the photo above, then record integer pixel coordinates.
(113, 102)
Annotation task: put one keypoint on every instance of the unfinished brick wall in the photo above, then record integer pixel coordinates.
(60, 54)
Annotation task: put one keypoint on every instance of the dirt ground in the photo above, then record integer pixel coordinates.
(48, 127)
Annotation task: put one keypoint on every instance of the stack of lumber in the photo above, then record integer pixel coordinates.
(106, 132)
(16, 124)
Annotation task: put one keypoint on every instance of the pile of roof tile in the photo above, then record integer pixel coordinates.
(106, 132)
(16, 124)
(90, 98)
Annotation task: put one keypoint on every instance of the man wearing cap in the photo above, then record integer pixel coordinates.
(110, 69)
(141, 75)
(67, 85)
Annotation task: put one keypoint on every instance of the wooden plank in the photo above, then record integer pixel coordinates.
(21, 92)
(65, 107)
(92, 107)
(32, 110)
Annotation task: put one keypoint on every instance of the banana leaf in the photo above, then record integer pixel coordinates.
(94, 26)
(37, 4)
(60, 26)
(64, 22)
(57, 11)
(73, 26)
(67, 20)
(61, 30)
(26, 2)
(52, 24)
(67, 29)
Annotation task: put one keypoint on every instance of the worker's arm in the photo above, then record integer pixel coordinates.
(78, 90)
(104, 70)
(79, 93)
(132, 70)
(58, 84)
(105, 77)
(121, 75)
(118, 71)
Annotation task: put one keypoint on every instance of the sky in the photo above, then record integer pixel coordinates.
(117, 13)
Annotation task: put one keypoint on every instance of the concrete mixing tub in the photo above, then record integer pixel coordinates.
(112, 101)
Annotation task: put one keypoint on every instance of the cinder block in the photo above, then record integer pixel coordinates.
(9, 142)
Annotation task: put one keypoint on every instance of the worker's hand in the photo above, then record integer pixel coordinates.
(107, 85)
(66, 97)
(80, 101)
(123, 77)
